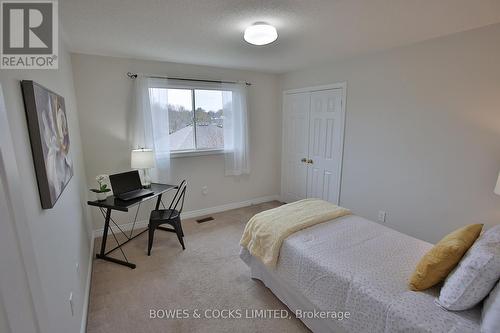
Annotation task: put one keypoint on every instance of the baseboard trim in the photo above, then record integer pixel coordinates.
(200, 212)
(85, 310)
(234, 205)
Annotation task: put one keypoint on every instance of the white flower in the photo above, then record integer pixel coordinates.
(100, 178)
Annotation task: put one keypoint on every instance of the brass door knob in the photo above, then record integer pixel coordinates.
(304, 160)
(310, 161)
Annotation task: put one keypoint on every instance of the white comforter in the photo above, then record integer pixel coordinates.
(353, 264)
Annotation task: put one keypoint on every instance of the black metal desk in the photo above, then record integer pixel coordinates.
(111, 203)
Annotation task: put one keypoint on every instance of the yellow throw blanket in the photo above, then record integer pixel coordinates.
(266, 231)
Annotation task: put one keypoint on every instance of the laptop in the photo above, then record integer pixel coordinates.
(127, 186)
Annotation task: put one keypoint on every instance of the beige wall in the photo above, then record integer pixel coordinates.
(422, 132)
(104, 95)
(61, 235)
(3, 320)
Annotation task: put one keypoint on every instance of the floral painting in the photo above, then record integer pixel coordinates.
(50, 143)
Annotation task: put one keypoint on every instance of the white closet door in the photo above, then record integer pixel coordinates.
(295, 137)
(325, 145)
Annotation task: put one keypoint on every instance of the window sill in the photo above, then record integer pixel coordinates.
(192, 153)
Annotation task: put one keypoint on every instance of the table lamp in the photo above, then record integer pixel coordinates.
(143, 159)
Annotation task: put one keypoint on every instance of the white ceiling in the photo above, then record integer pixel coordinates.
(210, 32)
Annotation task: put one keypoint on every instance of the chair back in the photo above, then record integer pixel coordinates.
(178, 199)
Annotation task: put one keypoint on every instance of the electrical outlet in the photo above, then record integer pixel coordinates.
(204, 190)
(71, 308)
(381, 215)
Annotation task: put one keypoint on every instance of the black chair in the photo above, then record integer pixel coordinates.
(171, 216)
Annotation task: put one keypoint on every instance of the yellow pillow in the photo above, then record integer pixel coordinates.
(436, 264)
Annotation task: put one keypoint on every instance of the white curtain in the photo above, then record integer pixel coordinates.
(151, 124)
(236, 143)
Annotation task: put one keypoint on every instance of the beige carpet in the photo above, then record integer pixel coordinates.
(207, 275)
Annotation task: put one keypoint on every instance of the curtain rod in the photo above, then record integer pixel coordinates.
(134, 76)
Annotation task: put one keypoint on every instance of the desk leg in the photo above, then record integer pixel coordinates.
(105, 231)
(158, 201)
(102, 255)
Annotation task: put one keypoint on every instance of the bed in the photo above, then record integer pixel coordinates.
(354, 265)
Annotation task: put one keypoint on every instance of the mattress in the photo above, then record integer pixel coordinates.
(354, 265)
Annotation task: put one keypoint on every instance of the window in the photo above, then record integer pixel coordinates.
(180, 117)
(196, 118)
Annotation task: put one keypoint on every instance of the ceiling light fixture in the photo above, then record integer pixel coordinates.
(260, 34)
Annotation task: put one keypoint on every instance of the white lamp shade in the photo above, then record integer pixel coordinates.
(497, 187)
(142, 159)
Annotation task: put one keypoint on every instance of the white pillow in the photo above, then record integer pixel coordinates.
(491, 312)
(476, 274)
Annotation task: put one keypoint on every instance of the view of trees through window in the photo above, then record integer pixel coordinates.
(196, 118)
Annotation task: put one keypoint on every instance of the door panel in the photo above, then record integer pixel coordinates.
(325, 145)
(296, 147)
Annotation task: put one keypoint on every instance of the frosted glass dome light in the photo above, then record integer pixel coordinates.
(260, 34)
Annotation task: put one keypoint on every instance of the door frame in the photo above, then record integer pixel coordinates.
(339, 85)
(23, 273)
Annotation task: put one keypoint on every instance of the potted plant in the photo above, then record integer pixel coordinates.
(102, 191)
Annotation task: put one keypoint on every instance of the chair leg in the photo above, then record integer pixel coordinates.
(180, 227)
(150, 238)
(180, 235)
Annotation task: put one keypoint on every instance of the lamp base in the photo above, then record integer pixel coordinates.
(146, 182)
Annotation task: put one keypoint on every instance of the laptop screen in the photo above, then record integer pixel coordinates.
(125, 182)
